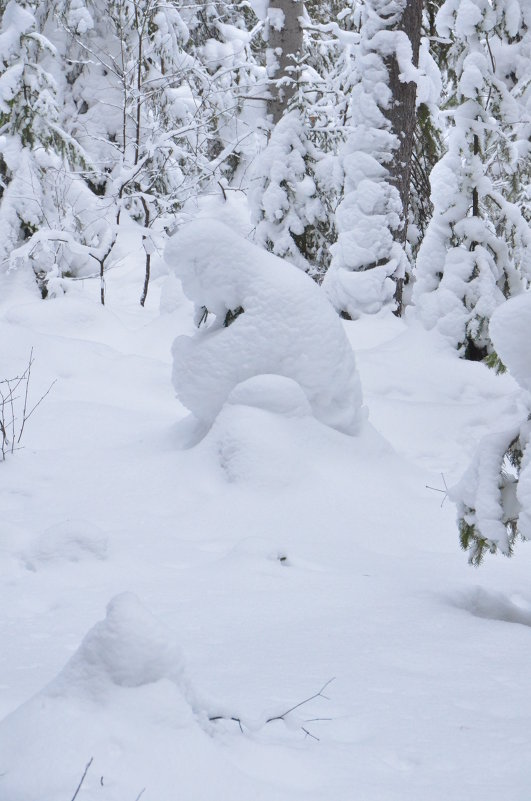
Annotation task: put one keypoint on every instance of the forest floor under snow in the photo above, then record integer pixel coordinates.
(272, 557)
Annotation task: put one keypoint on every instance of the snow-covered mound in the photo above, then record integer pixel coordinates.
(260, 437)
(126, 673)
(269, 319)
(127, 649)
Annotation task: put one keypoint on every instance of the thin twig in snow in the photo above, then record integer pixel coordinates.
(27, 417)
(319, 694)
(28, 371)
(87, 766)
(222, 717)
(437, 489)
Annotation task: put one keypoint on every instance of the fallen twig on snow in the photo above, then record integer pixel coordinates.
(437, 489)
(283, 715)
(78, 788)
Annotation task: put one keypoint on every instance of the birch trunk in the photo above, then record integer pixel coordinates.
(284, 42)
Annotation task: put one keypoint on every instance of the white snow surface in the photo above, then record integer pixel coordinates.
(287, 328)
(246, 571)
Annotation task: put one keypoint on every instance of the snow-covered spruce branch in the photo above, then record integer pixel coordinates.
(283, 715)
(15, 408)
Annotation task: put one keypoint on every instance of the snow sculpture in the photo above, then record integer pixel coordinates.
(270, 318)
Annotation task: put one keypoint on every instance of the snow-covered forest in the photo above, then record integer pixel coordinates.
(265, 400)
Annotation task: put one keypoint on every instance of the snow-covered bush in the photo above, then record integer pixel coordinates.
(269, 318)
(112, 109)
(494, 495)
(36, 152)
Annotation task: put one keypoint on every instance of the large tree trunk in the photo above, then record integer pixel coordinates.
(284, 41)
(402, 116)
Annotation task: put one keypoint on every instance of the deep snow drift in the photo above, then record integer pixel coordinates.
(274, 555)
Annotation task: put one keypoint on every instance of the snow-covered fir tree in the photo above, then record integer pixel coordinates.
(297, 178)
(295, 187)
(494, 495)
(369, 262)
(475, 251)
(286, 199)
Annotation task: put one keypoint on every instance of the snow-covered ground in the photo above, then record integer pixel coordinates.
(237, 577)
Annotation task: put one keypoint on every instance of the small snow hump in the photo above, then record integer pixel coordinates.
(269, 318)
(71, 541)
(129, 648)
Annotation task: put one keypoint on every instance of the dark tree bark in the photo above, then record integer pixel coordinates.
(402, 112)
(284, 41)
(402, 116)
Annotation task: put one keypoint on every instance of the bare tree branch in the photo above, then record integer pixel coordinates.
(319, 694)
